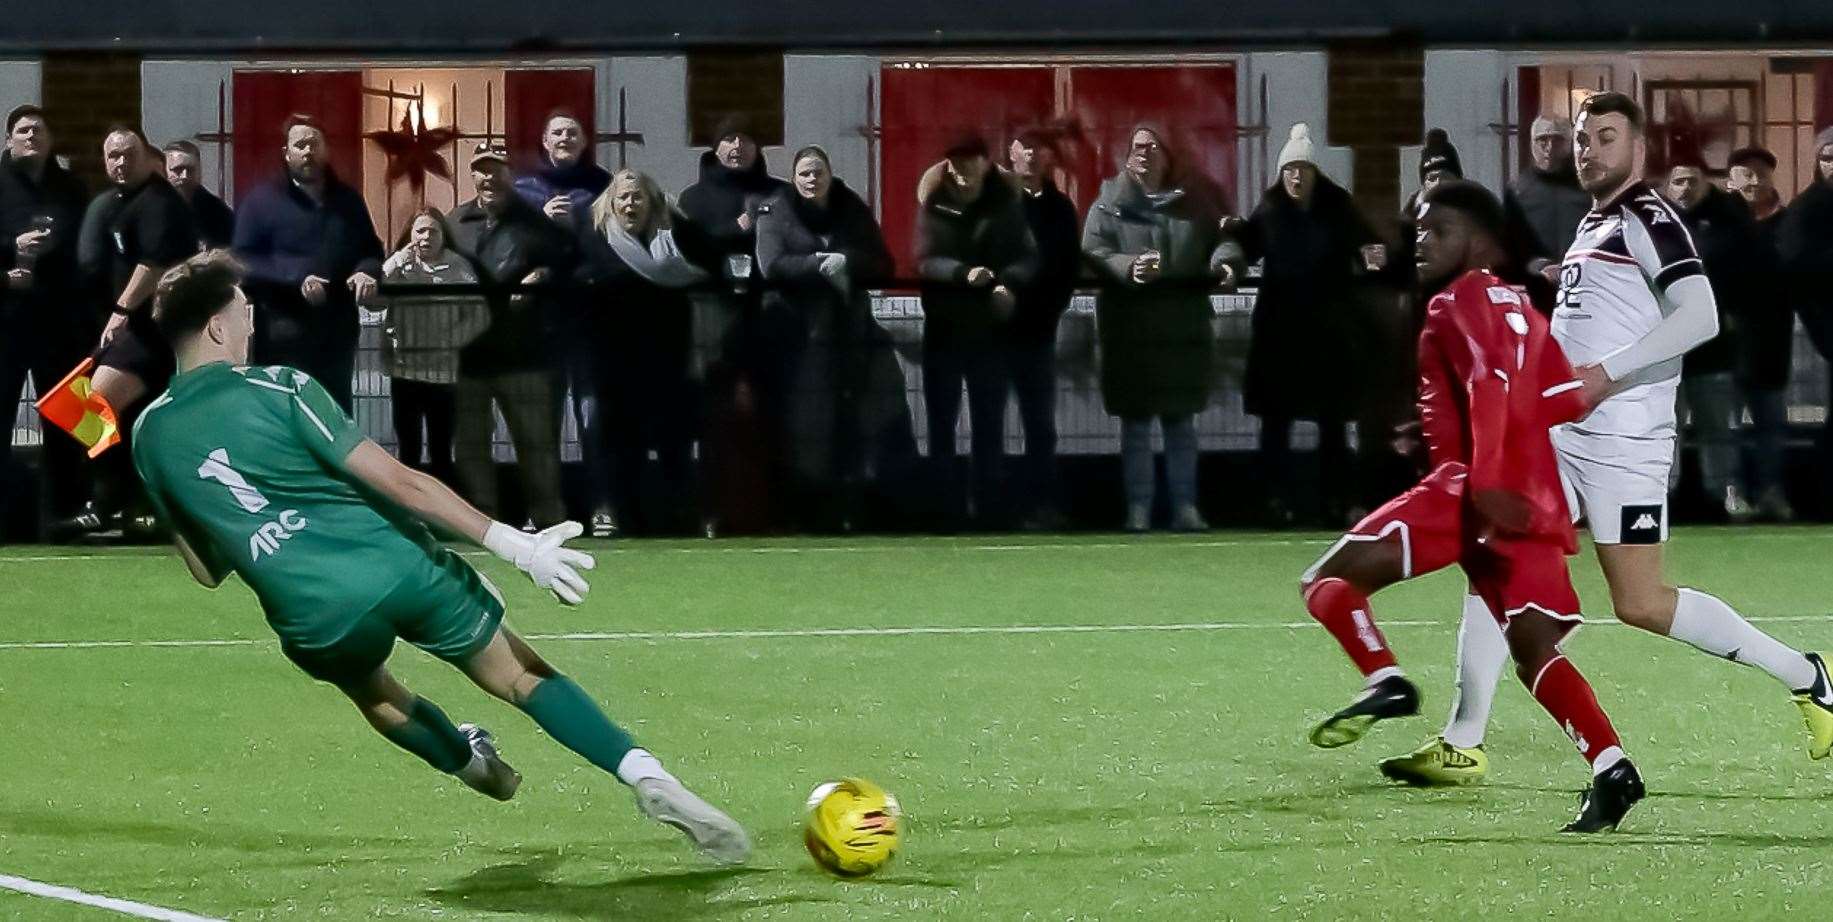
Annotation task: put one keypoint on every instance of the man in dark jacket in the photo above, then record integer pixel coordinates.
(510, 243)
(564, 187)
(312, 255)
(568, 182)
(973, 249)
(1766, 343)
(1805, 240)
(215, 220)
(733, 182)
(727, 337)
(1737, 264)
(1545, 204)
(47, 323)
(1031, 358)
(140, 228)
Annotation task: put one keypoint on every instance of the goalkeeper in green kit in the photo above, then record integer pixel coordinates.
(260, 473)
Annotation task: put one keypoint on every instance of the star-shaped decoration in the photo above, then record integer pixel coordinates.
(413, 150)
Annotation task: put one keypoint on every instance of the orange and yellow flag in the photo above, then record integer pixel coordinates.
(75, 407)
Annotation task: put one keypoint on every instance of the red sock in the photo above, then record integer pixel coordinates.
(1343, 611)
(1567, 696)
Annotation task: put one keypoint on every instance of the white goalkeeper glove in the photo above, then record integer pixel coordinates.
(544, 557)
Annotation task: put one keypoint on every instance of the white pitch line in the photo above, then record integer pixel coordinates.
(783, 633)
(716, 548)
(126, 907)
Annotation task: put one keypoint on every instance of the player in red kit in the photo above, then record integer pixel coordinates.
(1492, 382)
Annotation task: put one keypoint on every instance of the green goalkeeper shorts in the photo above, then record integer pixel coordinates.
(447, 608)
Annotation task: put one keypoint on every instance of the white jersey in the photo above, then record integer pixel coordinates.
(1612, 292)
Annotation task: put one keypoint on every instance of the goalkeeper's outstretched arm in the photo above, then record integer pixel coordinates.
(543, 557)
(425, 496)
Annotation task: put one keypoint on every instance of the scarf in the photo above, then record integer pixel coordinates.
(661, 262)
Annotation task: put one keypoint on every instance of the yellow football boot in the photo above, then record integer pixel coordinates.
(1439, 764)
(1818, 716)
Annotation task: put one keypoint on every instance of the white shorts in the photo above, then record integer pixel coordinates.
(1616, 484)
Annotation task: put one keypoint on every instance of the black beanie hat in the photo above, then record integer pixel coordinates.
(732, 124)
(1438, 154)
(19, 112)
(1472, 199)
(965, 146)
(1745, 156)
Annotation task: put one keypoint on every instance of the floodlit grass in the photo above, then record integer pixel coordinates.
(1054, 775)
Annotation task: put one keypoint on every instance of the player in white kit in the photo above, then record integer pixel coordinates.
(1633, 299)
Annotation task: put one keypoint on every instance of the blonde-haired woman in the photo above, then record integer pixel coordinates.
(641, 259)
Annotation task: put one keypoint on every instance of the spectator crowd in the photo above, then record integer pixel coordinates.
(717, 354)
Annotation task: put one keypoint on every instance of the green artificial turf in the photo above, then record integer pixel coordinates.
(1096, 774)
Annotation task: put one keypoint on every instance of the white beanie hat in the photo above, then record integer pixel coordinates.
(1298, 147)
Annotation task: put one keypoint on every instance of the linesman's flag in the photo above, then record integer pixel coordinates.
(75, 407)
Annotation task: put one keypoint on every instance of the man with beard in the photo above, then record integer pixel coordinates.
(1634, 297)
(312, 255)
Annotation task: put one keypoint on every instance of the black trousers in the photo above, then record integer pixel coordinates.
(25, 352)
(328, 354)
(1033, 369)
(981, 364)
(1335, 474)
(646, 427)
(426, 417)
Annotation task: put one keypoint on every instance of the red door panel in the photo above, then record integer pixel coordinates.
(264, 99)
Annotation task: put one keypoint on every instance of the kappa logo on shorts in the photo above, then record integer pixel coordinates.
(1641, 525)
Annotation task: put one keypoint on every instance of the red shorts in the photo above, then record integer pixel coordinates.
(1432, 523)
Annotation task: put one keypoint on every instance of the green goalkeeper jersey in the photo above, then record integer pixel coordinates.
(247, 464)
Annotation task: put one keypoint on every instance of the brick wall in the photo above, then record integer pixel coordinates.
(748, 84)
(84, 93)
(1377, 105)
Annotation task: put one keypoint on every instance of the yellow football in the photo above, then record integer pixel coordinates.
(853, 827)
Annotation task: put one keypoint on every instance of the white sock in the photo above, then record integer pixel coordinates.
(1710, 625)
(1383, 674)
(638, 765)
(1482, 652)
(1606, 760)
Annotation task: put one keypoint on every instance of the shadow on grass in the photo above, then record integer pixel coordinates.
(527, 887)
(1325, 802)
(1630, 837)
(205, 834)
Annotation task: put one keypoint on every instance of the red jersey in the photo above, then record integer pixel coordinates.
(1492, 382)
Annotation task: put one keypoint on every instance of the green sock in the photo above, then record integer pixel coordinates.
(431, 736)
(568, 715)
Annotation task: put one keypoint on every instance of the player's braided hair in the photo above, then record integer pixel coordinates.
(192, 292)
